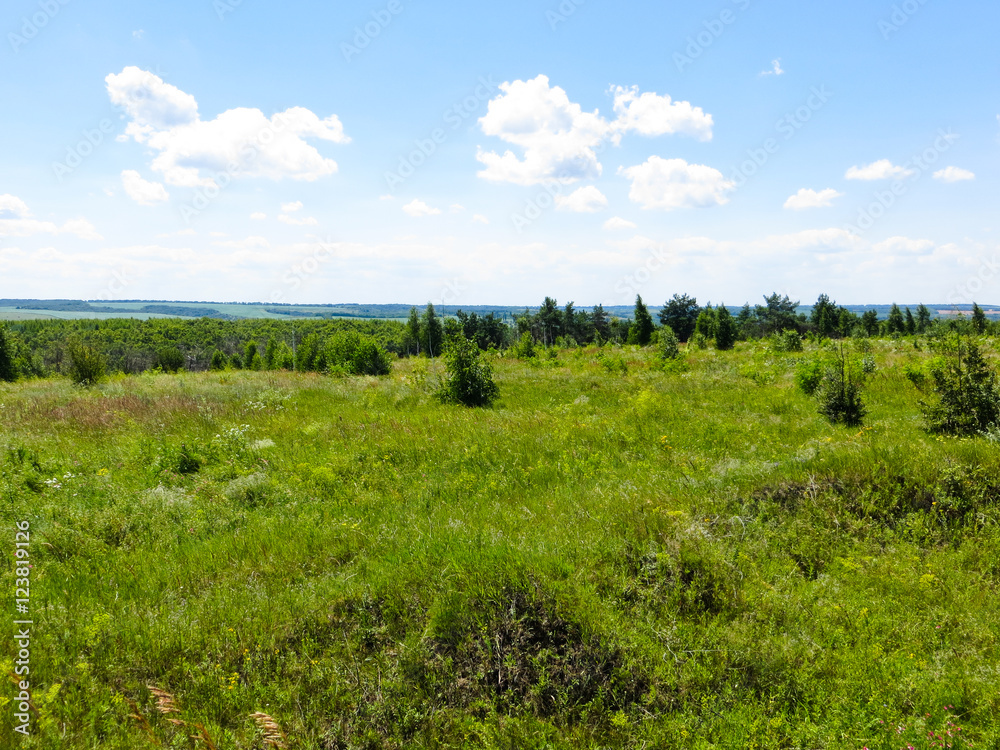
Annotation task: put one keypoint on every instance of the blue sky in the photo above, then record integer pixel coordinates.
(400, 151)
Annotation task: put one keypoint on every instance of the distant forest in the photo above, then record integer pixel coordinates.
(38, 348)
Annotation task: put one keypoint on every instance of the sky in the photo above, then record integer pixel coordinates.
(396, 151)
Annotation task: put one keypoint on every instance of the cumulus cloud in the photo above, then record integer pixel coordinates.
(883, 169)
(142, 191)
(258, 216)
(903, 246)
(807, 198)
(617, 222)
(651, 115)
(418, 208)
(290, 208)
(586, 200)
(669, 184)
(954, 174)
(480, 219)
(16, 221)
(243, 141)
(558, 140)
(12, 207)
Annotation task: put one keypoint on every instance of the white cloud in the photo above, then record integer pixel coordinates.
(16, 221)
(12, 207)
(242, 141)
(651, 115)
(903, 246)
(954, 174)
(142, 191)
(775, 69)
(290, 208)
(807, 198)
(586, 200)
(294, 221)
(138, 34)
(258, 216)
(456, 208)
(617, 222)
(479, 218)
(879, 170)
(561, 141)
(419, 208)
(669, 184)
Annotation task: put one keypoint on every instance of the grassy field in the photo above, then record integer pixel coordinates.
(683, 559)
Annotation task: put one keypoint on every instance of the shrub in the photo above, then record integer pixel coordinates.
(614, 363)
(808, 376)
(525, 348)
(840, 395)
(354, 354)
(698, 341)
(87, 365)
(470, 377)
(965, 384)
(787, 341)
(669, 343)
(218, 361)
(170, 359)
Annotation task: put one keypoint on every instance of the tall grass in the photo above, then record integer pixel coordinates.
(680, 557)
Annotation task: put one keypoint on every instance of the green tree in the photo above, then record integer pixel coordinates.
(680, 313)
(911, 324)
(707, 322)
(979, 323)
(549, 321)
(470, 378)
(869, 323)
(840, 395)
(726, 330)
(413, 333)
(431, 332)
(602, 324)
(8, 372)
(923, 318)
(669, 344)
(895, 323)
(642, 323)
(777, 315)
(252, 359)
(353, 353)
(87, 365)
(218, 361)
(170, 359)
(825, 316)
(967, 398)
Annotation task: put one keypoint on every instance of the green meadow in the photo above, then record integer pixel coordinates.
(614, 555)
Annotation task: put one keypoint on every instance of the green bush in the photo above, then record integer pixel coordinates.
(966, 390)
(8, 371)
(525, 348)
(470, 377)
(355, 354)
(809, 375)
(787, 341)
(669, 343)
(170, 359)
(840, 395)
(87, 365)
(614, 363)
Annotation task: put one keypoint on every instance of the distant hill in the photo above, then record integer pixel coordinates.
(22, 309)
